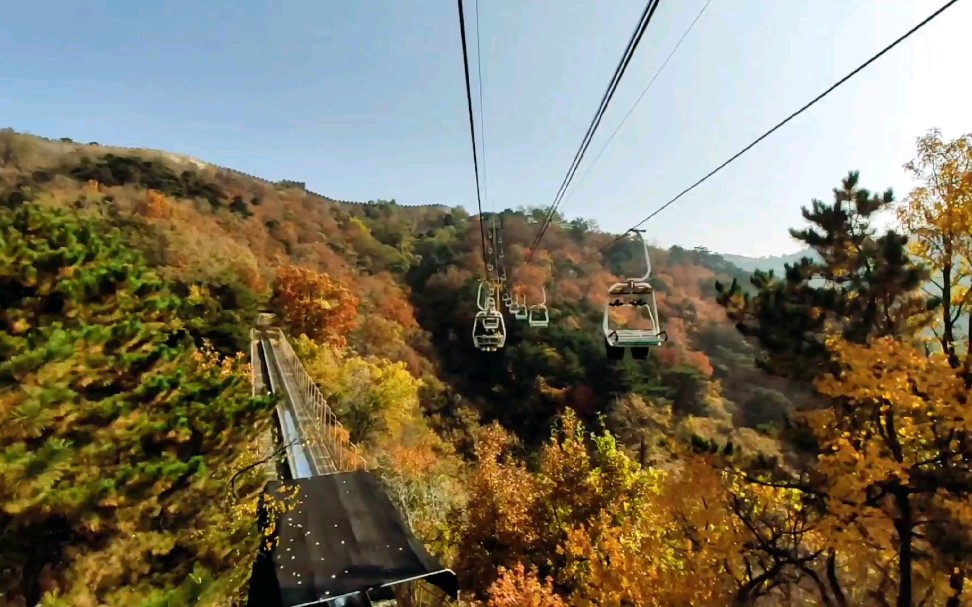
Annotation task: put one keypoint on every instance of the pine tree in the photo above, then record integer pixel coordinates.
(861, 286)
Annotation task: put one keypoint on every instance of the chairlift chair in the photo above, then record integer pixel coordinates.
(489, 329)
(639, 293)
(521, 312)
(539, 316)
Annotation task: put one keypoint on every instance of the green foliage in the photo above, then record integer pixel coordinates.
(220, 313)
(115, 429)
(238, 206)
(112, 170)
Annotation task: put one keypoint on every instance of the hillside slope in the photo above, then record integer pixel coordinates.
(414, 270)
(129, 281)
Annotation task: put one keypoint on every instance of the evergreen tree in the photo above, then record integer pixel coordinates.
(863, 286)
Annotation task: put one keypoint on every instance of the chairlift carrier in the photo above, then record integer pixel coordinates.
(521, 312)
(489, 329)
(538, 315)
(639, 293)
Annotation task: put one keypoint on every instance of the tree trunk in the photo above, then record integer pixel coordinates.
(957, 583)
(833, 580)
(904, 525)
(948, 329)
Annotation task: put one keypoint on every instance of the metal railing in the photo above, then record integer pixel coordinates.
(318, 423)
(300, 461)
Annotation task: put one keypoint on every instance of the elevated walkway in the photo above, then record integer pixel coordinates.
(334, 535)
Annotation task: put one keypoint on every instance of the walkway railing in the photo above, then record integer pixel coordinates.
(303, 460)
(318, 423)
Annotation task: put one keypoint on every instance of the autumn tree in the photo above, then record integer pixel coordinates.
(518, 587)
(606, 531)
(315, 305)
(896, 452)
(891, 436)
(938, 216)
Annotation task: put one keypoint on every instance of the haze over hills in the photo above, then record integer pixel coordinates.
(769, 262)
(777, 263)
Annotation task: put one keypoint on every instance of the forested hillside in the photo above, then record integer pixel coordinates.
(801, 448)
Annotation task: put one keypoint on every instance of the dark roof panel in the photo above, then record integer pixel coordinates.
(343, 536)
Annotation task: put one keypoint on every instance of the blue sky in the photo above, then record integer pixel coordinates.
(365, 99)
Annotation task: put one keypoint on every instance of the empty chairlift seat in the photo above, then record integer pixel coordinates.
(637, 293)
(539, 315)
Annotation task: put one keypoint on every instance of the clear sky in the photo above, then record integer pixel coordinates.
(364, 99)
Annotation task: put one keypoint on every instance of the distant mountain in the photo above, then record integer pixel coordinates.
(773, 262)
(777, 263)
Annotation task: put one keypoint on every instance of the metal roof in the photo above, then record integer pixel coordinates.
(341, 538)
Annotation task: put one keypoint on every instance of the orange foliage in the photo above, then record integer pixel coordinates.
(157, 206)
(530, 279)
(518, 587)
(698, 360)
(415, 460)
(501, 514)
(565, 289)
(678, 352)
(687, 279)
(315, 305)
(389, 300)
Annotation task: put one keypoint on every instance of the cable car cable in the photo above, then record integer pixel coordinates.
(638, 101)
(832, 87)
(482, 110)
(595, 122)
(472, 133)
(622, 66)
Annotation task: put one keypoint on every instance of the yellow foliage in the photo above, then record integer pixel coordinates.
(938, 216)
(518, 587)
(895, 452)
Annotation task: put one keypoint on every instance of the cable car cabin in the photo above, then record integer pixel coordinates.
(489, 330)
(622, 298)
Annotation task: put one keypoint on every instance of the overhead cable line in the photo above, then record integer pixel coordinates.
(636, 36)
(638, 101)
(832, 87)
(482, 110)
(472, 133)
